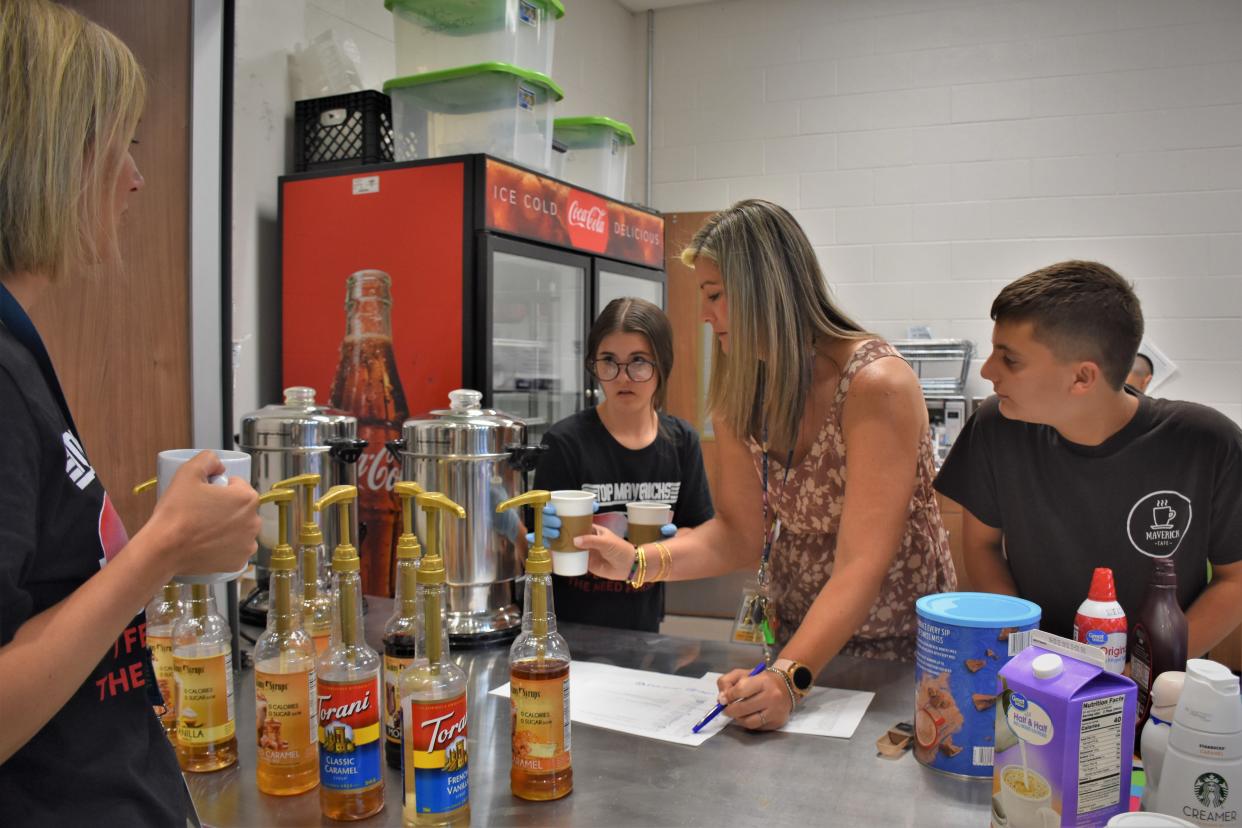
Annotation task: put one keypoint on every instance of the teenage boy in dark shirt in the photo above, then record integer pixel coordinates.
(1066, 469)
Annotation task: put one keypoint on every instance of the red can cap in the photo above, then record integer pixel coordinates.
(1102, 586)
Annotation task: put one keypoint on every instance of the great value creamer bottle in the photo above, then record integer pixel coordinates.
(1101, 622)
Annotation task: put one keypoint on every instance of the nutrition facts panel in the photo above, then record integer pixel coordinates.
(1099, 753)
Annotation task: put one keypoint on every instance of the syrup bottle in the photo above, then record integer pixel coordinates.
(433, 698)
(351, 770)
(162, 612)
(401, 631)
(284, 676)
(203, 672)
(317, 602)
(1160, 636)
(539, 678)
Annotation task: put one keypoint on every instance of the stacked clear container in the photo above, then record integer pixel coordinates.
(597, 151)
(473, 77)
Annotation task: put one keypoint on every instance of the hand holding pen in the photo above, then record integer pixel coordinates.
(760, 700)
(715, 711)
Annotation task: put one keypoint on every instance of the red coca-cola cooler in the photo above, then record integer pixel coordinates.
(494, 275)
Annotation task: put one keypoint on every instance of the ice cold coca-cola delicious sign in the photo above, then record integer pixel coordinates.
(530, 205)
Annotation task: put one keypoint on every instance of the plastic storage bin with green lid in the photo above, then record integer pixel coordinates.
(491, 107)
(432, 35)
(598, 148)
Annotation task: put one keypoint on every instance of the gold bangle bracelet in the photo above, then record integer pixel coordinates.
(641, 556)
(666, 561)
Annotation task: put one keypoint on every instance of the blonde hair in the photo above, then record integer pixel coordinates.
(779, 306)
(72, 94)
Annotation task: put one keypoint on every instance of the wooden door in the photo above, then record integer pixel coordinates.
(119, 335)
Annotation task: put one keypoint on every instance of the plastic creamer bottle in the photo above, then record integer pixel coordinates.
(1101, 622)
(1166, 690)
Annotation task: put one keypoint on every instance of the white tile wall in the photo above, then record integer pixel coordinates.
(599, 61)
(935, 150)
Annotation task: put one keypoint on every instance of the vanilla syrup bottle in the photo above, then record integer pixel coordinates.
(539, 678)
(284, 677)
(433, 698)
(351, 767)
(162, 614)
(317, 600)
(401, 631)
(203, 672)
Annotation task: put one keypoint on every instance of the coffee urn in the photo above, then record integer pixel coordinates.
(298, 437)
(477, 457)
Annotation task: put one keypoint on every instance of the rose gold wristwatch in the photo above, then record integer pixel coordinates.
(800, 676)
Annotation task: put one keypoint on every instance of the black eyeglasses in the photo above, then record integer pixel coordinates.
(608, 369)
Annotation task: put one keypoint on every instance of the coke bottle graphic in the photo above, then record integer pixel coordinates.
(367, 386)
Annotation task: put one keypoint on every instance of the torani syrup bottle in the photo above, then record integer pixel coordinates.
(539, 678)
(203, 672)
(317, 601)
(436, 770)
(162, 612)
(286, 726)
(351, 769)
(401, 631)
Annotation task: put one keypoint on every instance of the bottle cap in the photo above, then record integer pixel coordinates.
(1048, 665)
(1209, 701)
(1102, 586)
(1165, 692)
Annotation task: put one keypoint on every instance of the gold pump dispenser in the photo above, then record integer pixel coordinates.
(431, 571)
(401, 631)
(539, 678)
(350, 740)
(316, 585)
(284, 675)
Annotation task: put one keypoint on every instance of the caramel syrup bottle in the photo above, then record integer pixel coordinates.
(351, 765)
(162, 613)
(203, 670)
(284, 677)
(317, 600)
(436, 772)
(539, 679)
(401, 632)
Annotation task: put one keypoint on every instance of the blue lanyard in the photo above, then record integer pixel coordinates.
(14, 318)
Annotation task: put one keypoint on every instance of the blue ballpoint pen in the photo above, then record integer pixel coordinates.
(716, 710)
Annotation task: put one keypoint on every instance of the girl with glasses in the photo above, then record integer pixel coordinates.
(625, 449)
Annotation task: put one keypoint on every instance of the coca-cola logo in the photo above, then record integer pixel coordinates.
(587, 221)
(377, 471)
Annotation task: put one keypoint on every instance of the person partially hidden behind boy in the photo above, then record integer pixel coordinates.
(1066, 469)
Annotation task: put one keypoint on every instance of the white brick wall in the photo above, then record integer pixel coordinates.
(935, 150)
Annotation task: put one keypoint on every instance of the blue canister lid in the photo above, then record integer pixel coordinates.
(977, 609)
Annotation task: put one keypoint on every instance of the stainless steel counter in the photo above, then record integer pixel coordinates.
(735, 778)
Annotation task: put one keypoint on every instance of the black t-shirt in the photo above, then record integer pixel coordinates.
(582, 454)
(1168, 483)
(103, 759)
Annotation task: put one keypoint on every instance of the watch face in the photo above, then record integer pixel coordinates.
(802, 678)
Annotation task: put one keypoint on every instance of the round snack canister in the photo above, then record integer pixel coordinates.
(964, 638)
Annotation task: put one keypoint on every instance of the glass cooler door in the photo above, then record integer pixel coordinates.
(536, 306)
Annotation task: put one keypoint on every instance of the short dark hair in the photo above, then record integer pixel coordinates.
(631, 315)
(1080, 310)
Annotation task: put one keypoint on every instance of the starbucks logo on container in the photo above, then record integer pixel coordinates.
(1211, 790)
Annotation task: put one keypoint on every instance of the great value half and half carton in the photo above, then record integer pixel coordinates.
(1064, 738)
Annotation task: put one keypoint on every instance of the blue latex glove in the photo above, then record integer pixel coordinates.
(552, 523)
(668, 530)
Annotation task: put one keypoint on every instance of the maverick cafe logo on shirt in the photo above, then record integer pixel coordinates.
(1158, 523)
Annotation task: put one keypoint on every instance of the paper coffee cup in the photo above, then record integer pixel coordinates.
(236, 464)
(645, 519)
(575, 509)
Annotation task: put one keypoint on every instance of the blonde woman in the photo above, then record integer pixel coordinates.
(80, 744)
(803, 399)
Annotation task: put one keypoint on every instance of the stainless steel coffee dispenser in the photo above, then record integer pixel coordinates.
(298, 437)
(476, 457)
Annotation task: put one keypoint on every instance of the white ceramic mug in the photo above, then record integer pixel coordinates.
(236, 464)
(1027, 810)
(575, 508)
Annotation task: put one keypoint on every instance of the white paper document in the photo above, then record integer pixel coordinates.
(655, 705)
(666, 707)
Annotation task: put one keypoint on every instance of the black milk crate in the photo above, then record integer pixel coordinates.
(343, 130)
